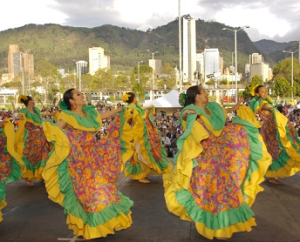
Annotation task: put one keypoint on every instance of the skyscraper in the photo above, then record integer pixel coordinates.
(11, 49)
(211, 63)
(28, 63)
(188, 48)
(81, 68)
(97, 60)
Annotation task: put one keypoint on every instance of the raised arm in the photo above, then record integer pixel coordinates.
(61, 123)
(110, 113)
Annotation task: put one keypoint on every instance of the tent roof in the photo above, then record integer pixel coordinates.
(169, 100)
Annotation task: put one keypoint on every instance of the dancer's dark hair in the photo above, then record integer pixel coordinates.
(67, 96)
(191, 94)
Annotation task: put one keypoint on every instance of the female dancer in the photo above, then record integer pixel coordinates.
(218, 168)
(279, 136)
(149, 155)
(81, 172)
(10, 161)
(31, 143)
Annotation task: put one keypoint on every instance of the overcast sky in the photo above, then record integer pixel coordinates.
(277, 20)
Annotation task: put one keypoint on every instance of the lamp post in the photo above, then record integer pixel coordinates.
(235, 59)
(292, 74)
(139, 78)
(153, 63)
(74, 75)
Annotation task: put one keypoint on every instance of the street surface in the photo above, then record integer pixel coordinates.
(31, 217)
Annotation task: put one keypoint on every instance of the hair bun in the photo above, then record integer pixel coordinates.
(182, 98)
(22, 99)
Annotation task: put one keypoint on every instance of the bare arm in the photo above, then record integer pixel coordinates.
(61, 123)
(186, 113)
(234, 108)
(267, 108)
(108, 114)
(151, 106)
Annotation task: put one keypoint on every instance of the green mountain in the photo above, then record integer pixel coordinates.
(270, 46)
(61, 45)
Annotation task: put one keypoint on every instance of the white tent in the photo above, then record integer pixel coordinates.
(169, 100)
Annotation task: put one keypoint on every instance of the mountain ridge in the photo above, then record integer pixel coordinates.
(61, 45)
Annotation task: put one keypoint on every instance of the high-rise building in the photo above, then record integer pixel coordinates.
(211, 63)
(11, 49)
(97, 60)
(156, 65)
(255, 58)
(107, 61)
(188, 48)
(221, 65)
(17, 62)
(81, 68)
(261, 70)
(28, 63)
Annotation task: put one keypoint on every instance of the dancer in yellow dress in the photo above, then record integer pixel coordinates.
(11, 164)
(31, 143)
(81, 172)
(218, 168)
(279, 136)
(148, 155)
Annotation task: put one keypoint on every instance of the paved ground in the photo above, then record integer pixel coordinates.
(31, 217)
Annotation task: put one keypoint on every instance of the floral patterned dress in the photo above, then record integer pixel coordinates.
(10, 162)
(280, 138)
(148, 155)
(31, 144)
(81, 175)
(217, 174)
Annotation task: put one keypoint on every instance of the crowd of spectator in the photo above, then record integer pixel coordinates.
(168, 125)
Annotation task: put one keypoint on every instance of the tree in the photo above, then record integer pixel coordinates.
(255, 81)
(284, 69)
(140, 86)
(12, 100)
(121, 82)
(103, 80)
(51, 78)
(282, 87)
(87, 84)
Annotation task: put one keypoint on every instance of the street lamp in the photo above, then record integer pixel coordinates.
(153, 63)
(74, 76)
(139, 77)
(235, 59)
(292, 74)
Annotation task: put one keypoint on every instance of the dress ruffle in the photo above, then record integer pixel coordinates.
(179, 198)
(149, 156)
(30, 171)
(12, 163)
(287, 162)
(114, 217)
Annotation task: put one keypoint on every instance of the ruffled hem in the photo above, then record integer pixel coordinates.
(2, 205)
(99, 231)
(142, 148)
(35, 175)
(60, 190)
(225, 232)
(259, 162)
(288, 162)
(222, 224)
(181, 202)
(287, 170)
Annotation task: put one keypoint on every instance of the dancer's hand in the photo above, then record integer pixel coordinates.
(119, 109)
(186, 113)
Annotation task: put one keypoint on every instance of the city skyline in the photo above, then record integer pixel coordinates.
(278, 22)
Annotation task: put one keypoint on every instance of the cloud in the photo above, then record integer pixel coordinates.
(277, 20)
